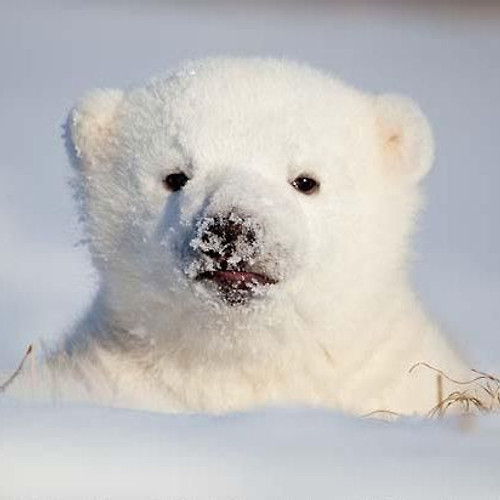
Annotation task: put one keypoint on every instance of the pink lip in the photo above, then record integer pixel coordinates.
(236, 278)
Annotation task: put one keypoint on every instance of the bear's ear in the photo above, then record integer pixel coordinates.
(405, 137)
(90, 126)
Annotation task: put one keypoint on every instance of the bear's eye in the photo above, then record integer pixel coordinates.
(175, 182)
(305, 184)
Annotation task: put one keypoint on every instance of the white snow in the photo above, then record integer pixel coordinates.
(50, 54)
(81, 452)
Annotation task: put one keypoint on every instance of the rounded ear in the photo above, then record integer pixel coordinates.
(90, 126)
(405, 137)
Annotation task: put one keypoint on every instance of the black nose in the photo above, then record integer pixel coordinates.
(227, 235)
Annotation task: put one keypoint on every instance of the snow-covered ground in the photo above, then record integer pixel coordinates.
(49, 55)
(85, 453)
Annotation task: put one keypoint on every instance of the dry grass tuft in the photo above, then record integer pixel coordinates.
(18, 370)
(480, 394)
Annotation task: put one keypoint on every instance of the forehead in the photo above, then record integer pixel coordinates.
(250, 111)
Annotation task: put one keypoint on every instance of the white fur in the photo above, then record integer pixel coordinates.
(341, 328)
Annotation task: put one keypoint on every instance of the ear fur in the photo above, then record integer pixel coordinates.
(405, 135)
(90, 126)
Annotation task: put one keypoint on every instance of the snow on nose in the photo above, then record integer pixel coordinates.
(226, 253)
(230, 241)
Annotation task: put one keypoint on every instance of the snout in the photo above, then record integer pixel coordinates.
(230, 240)
(227, 250)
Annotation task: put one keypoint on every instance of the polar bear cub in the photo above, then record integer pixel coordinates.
(250, 221)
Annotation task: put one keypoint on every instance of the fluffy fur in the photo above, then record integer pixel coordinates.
(337, 325)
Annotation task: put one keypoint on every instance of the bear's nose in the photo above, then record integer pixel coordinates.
(226, 228)
(224, 236)
(229, 229)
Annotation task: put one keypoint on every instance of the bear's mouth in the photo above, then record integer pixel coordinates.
(237, 287)
(237, 279)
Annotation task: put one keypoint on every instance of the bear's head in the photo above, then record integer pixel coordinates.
(242, 200)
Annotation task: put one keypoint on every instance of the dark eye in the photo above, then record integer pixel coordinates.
(175, 182)
(305, 184)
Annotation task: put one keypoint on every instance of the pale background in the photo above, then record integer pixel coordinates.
(447, 58)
